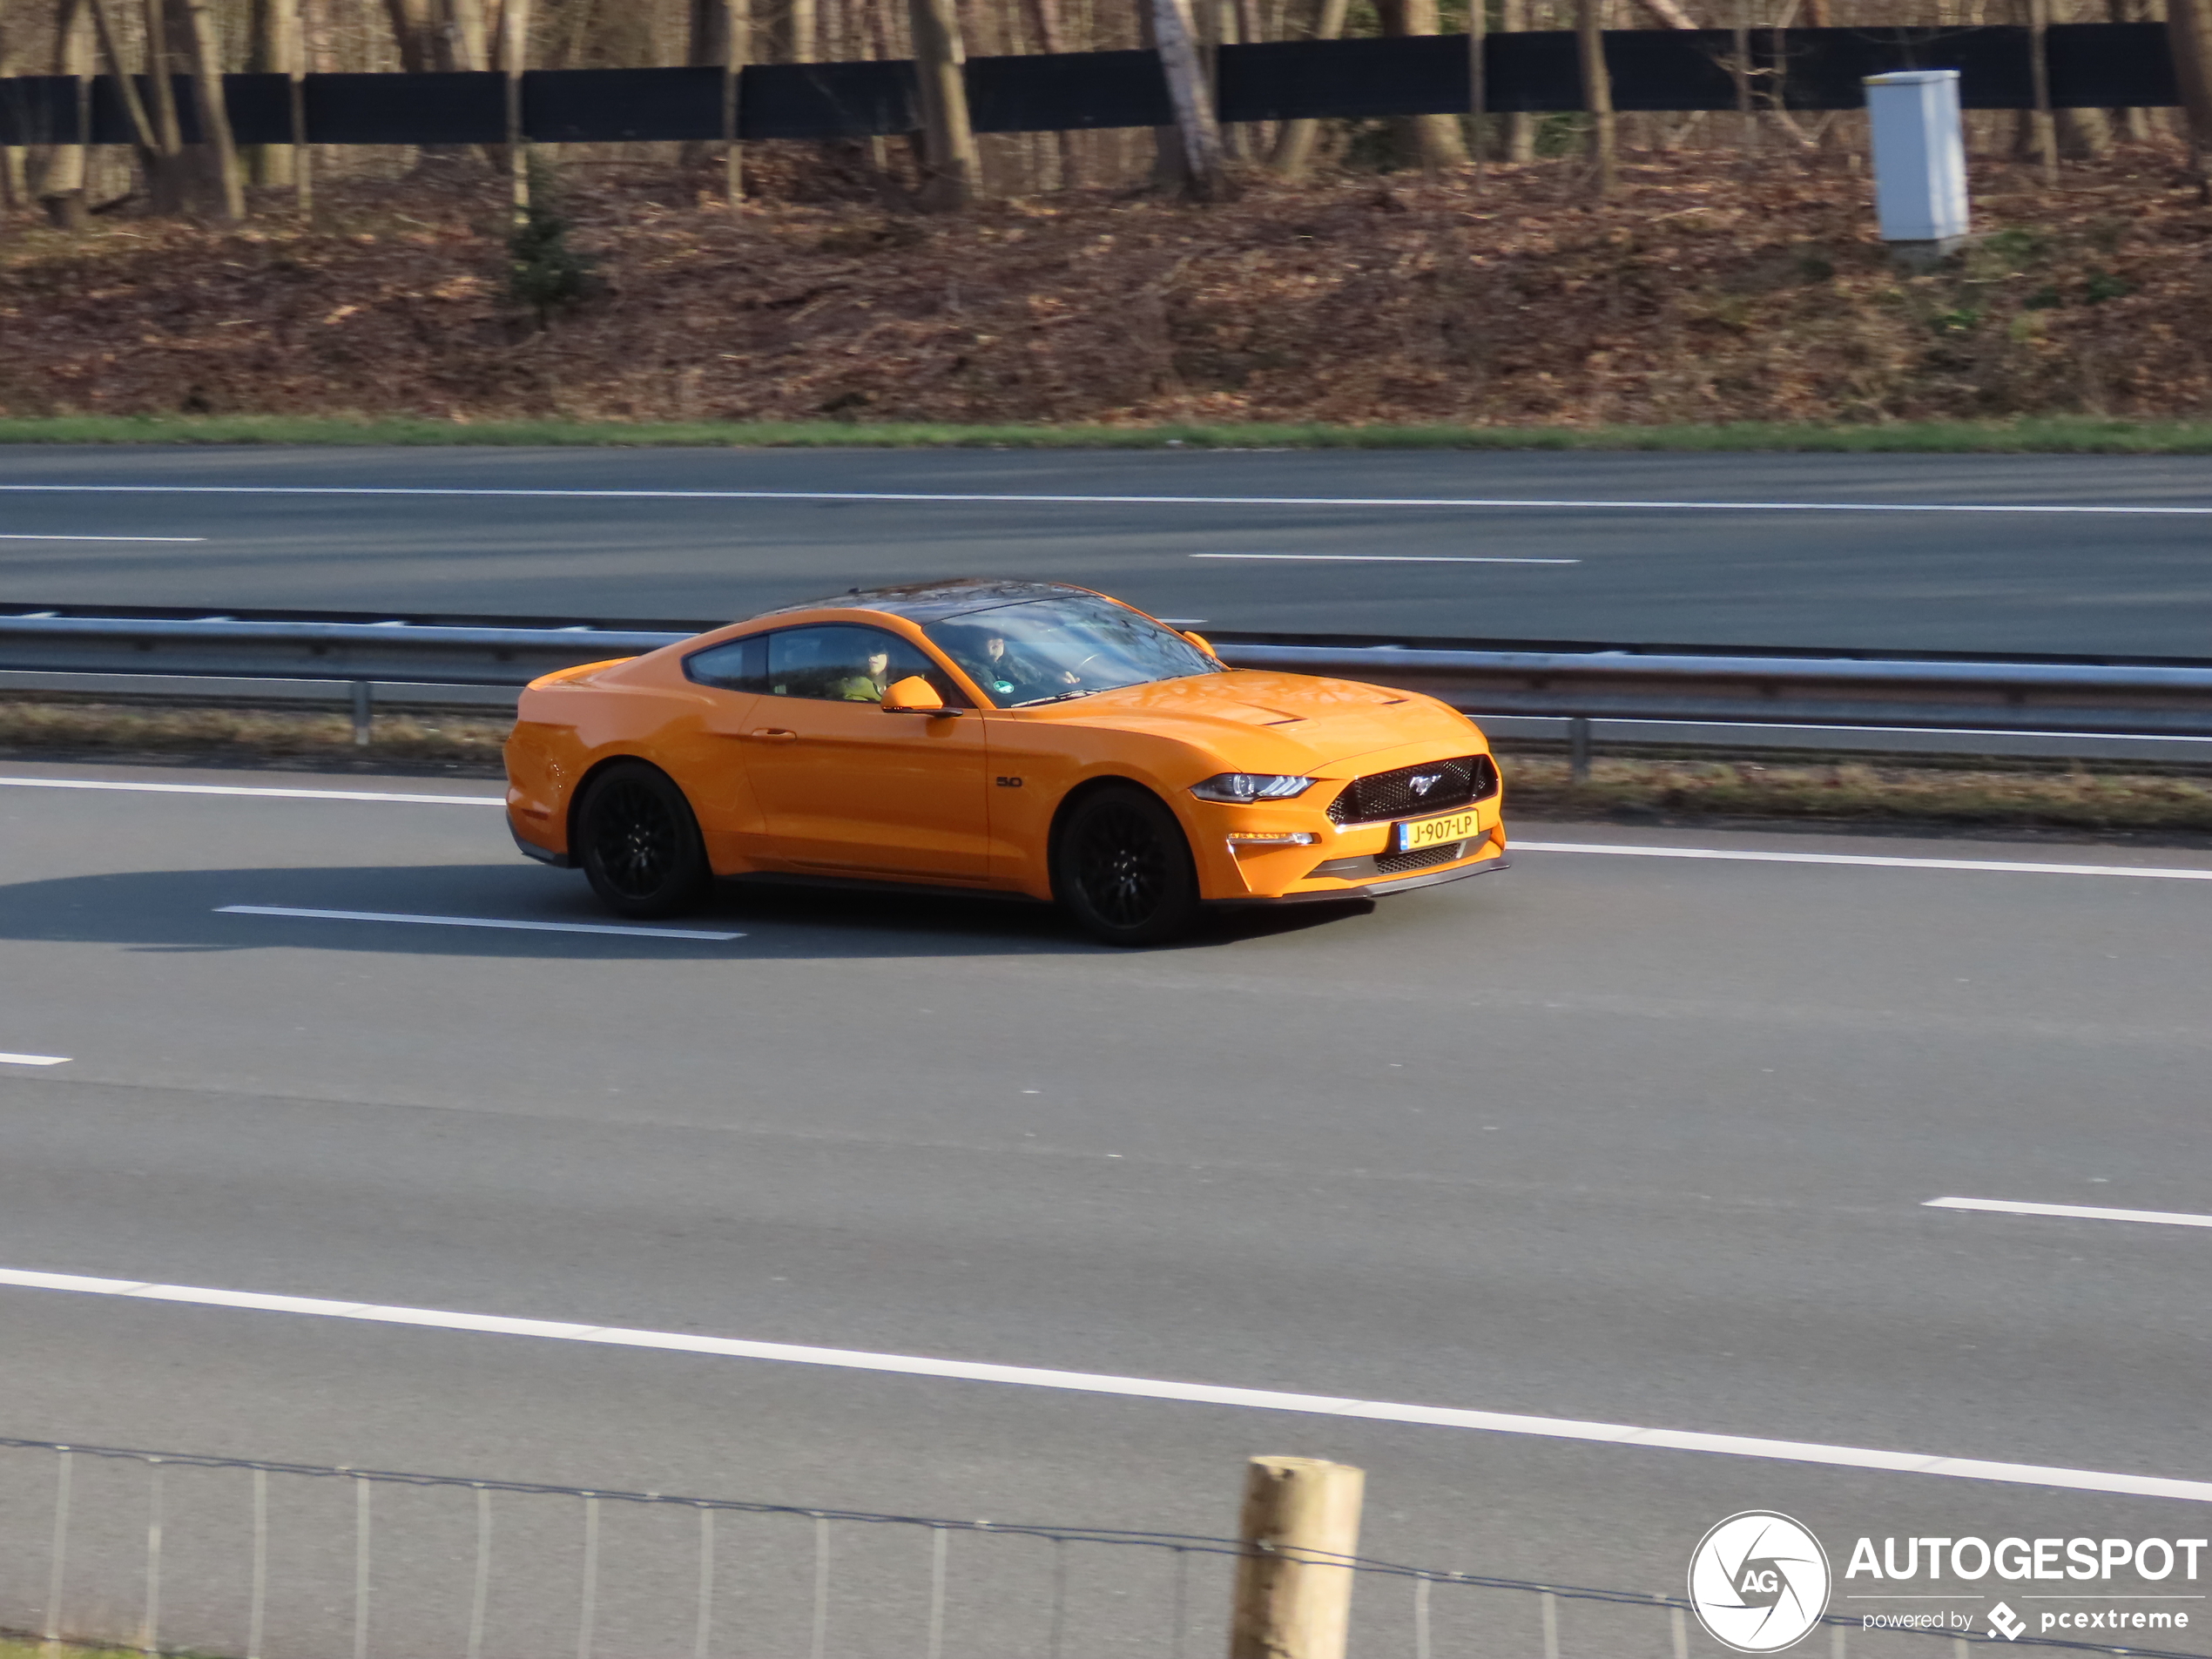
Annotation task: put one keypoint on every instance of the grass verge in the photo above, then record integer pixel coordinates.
(1865, 794)
(1860, 793)
(2053, 435)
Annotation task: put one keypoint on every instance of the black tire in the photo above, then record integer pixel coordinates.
(1123, 868)
(639, 845)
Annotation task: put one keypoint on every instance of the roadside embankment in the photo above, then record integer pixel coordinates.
(1701, 295)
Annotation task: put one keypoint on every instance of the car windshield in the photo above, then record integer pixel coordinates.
(1044, 649)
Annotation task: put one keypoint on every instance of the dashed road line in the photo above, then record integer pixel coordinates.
(471, 921)
(2074, 1211)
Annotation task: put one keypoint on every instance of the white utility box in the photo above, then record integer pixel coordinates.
(1919, 160)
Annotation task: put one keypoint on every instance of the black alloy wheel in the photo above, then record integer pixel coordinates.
(639, 844)
(1123, 869)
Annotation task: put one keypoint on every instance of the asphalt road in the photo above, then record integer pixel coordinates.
(1675, 558)
(1635, 1140)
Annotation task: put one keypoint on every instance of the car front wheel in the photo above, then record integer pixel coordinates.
(1123, 868)
(639, 844)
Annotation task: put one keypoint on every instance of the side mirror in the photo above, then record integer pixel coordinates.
(1203, 643)
(913, 695)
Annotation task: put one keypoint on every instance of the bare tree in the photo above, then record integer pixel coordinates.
(2188, 28)
(1294, 143)
(15, 179)
(57, 166)
(1597, 92)
(416, 33)
(952, 166)
(514, 60)
(1205, 175)
(1520, 126)
(276, 50)
(206, 51)
(1435, 138)
(721, 37)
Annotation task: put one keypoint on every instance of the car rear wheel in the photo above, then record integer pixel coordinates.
(639, 844)
(1123, 868)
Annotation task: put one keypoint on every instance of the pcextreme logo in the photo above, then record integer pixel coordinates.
(1758, 1581)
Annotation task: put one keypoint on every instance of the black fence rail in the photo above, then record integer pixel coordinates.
(2092, 65)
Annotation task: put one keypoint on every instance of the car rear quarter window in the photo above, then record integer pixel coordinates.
(734, 665)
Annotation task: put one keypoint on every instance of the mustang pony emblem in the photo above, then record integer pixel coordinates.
(1425, 782)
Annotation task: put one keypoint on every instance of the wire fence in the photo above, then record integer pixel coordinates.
(174, 1552)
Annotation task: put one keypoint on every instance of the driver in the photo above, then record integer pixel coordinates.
(1005, 673)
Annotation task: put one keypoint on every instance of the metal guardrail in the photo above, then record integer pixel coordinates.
(2167, 699)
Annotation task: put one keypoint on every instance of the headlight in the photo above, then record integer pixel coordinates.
(1240, 787)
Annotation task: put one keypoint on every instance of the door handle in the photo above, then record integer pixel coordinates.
(772, 734)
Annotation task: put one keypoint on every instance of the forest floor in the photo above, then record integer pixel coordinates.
(1701, 295)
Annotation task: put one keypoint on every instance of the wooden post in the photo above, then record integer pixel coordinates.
(2039, 61)
(1300, 1523)
(952, 166)
(215, 113)
(1294, 143)
(1597, 92)
(1205, 175)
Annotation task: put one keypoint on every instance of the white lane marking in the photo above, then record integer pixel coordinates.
(469, 921)
(239, 789)
(34, 1059)
(1561, 1428)
(1387, 558)
(1867, 859)
(2079, 1212)
(20, 535)
(904, 496)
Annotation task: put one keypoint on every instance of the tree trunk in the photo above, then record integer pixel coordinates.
(169, 182)
(1197, 133)
(56, 169)
(1294, 144)
(466, 37)
(721, 37)
(805, 31)
(1044, 21)
(1597, 93)
(214, 114)
(2188, 30)
(415, 31)
(1520, 126)
(15, 179)
(1434, 138)
(2135, 122)
(514, 60)
(951, 164)
(276, 50)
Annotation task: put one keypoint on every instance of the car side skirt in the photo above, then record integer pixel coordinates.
(543, 855)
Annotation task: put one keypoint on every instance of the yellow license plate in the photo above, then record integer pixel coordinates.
(1433, 831)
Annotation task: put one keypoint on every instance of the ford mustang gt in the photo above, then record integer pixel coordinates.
(1019, 737)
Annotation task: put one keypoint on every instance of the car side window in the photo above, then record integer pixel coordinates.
(847, 663)
(734, 665)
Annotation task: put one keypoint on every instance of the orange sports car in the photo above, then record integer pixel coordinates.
(1018, 737)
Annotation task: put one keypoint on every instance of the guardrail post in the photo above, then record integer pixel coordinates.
(1578, 749)
(364, 712)
(1300, 1526)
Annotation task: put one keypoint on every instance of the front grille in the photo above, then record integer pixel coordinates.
(1394, 794)
(1399, 863)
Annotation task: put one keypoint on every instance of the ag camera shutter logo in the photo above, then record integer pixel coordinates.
(1758, 1581)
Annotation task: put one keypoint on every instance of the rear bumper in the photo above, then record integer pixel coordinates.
(543, 855)
(1379, 889)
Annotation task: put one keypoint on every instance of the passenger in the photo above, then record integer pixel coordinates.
(870, 686)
